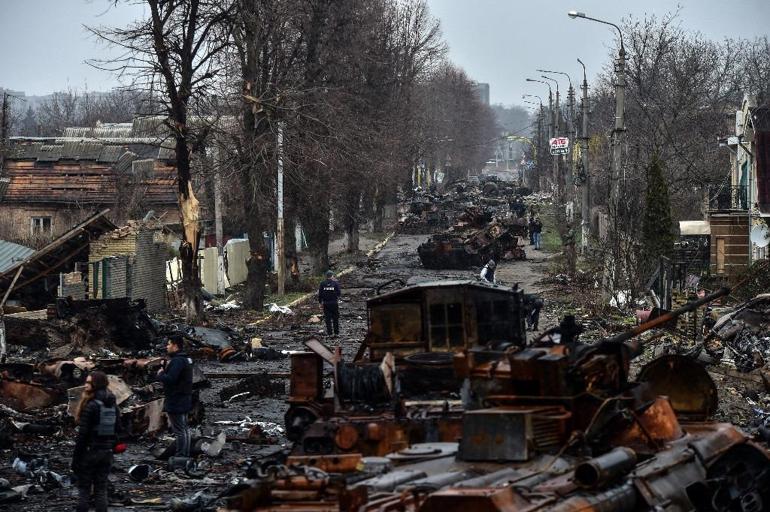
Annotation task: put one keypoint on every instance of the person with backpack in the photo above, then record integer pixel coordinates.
(98, 419)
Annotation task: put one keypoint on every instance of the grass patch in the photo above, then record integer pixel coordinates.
(288, 298)
(551, 241)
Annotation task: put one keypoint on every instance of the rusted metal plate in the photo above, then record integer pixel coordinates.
(476, 500)
(685, 382)
(24, 396)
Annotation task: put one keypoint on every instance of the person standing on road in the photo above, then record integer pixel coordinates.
(537, 230)
(488, 272)
(328, 296)
(98, 421)
(532, 305)
(177, 379)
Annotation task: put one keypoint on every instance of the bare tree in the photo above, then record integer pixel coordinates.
(178, 46)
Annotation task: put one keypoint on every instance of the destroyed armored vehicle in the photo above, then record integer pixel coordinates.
(497, 241)
(407, 357)
(545, 426)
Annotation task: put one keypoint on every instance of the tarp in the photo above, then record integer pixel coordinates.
(694, 227)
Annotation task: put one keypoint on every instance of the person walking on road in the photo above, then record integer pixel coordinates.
(537, 230)
(531, 229)
(98, 419)
(177, 379)
(488, 272)
(328, 296)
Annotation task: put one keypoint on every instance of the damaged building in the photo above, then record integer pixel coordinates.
(130, 262)
(54, 183)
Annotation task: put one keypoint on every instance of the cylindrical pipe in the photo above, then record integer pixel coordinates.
(617, 499)
(655, 322)
(605, 468)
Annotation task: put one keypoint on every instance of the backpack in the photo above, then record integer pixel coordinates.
(108, 417)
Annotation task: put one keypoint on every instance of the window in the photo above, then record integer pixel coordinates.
(446, 326)
(396, 323)
(494, 320)
(40, 226)
(720, 255)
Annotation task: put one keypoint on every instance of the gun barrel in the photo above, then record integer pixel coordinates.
(655, 322)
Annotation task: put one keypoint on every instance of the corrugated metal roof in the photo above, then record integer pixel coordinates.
(11, 254)
(123, 164)
(49, 153)
(110, 153)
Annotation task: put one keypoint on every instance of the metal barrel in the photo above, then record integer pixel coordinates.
(605, 468)
(655, 322)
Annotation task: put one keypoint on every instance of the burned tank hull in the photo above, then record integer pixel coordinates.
(497, 241)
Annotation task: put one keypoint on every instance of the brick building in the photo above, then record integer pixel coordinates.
(130, 262)
(53, 183)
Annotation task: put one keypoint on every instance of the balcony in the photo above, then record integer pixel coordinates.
(726, 199)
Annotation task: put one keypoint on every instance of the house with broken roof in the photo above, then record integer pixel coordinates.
(739, 208)
(53, 183)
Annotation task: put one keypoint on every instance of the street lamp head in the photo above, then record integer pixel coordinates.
(576, 14)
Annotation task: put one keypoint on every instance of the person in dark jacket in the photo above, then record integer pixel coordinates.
(328, 296)
(532, 305)
(177, 379)
(98, 420)
(537, 230)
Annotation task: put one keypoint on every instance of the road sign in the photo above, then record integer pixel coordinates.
(559, 142)
(559, 146)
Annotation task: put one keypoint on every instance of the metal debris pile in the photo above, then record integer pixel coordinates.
(550, 426)
(742, 336)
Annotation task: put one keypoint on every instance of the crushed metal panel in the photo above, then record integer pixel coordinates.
(24, 396)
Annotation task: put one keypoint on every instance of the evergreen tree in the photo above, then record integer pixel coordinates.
(29, 123)
(657, 235)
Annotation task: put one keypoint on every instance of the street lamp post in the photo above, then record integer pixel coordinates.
(557, 177)
(538, 147)
(585, 210)
(620, 101)
(617, 132)
(551, 126)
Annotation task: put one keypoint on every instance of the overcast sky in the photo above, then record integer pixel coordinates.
(43, 45)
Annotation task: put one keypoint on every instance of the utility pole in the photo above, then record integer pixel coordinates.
(585, 210)
(556, 121)
(279, 237)
(219, 232)
(617, 132)
(4, 131)
(571, 130)
(620, 125)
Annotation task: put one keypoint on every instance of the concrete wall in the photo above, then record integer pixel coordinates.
(72, 285)
(208, 263)
(148, 270)
(236, 254)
